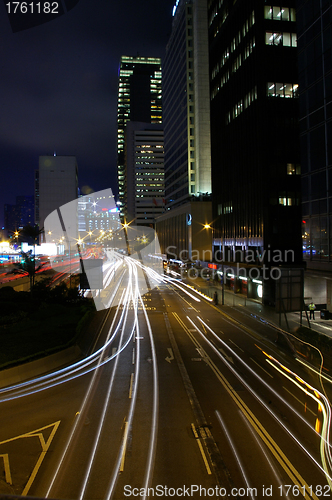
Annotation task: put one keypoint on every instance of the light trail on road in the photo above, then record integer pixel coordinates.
(70, 372)
(323, 467)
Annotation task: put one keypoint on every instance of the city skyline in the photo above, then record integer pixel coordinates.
(59, 89)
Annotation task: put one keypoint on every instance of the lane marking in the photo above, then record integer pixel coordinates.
(114, 349)
(44, 445)
(131, 385)
(201, 449)
(269, 374)
(217, 462)
(171, 355)
(8, 476)
(125, 438)
(288, 467)
(229, 358)
(238, 460)
(302, 404)
(285, 463)
(236, 345)
(133, 357)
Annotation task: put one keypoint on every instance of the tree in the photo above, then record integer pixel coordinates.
(32, 233)
(28, 265)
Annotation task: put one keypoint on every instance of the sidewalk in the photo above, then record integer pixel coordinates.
(267, 313)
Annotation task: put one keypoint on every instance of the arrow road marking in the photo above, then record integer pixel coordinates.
(171, 355)
(229, 358)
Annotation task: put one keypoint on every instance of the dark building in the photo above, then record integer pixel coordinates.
(19, 215)
(139, 99)
(26, 208)
(315, 79)
(12, 219)
(37, 197)
(255, 151)
(314, 21)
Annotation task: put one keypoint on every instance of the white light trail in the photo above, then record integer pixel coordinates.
(255, 394)
(222, 423)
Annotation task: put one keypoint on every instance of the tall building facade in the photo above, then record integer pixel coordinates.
(139, 99)
(255, 134)
(314, 20)
(315, 79)
(186, 119)
(144, 160)
(58, 184)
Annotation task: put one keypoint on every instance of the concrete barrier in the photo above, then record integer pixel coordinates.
(41, 366)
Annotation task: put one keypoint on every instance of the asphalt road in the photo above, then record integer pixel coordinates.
(179, 397)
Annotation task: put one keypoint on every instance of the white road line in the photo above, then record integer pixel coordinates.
(131, 385)
(289, 392)
(236, 345)
(269, 374)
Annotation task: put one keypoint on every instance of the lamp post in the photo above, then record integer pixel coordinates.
(125, 227)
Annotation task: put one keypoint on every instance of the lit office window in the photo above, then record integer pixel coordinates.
(279, 13)
(273, 38)
(278, 38)
(293, 169)
(287, 90)
(268, 12)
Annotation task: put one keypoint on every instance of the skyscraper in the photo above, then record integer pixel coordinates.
(58, 184)
(186, 119)
(144, 161)
(254, 132)
(315, 84)
(139, 99)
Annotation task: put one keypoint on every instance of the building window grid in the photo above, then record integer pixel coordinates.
(238, 61)
(284, 90)
(284, 39)
(241, 105)
(279, 13)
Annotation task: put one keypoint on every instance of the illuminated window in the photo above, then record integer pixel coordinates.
(278, 38)
(287, 90)
(293, 169)
(280, 13)
(273, 38)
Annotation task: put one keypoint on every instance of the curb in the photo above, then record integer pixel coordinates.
(26, 371)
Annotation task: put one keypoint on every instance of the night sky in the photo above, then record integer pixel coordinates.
(58, 87)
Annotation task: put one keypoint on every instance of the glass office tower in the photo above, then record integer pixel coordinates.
(139, 99)
(255, 149)
(315, 79)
